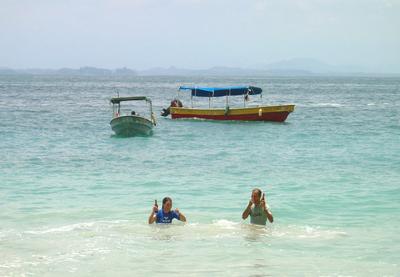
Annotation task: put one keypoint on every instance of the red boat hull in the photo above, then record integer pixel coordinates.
(276, 116)
(265, 113)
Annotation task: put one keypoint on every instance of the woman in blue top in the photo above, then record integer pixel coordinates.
(165, 215)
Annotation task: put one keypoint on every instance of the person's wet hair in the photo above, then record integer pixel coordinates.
(258, 191)
(165, 201)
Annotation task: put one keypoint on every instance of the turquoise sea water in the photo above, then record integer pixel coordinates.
(74, 199)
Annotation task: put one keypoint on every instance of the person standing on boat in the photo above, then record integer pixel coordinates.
(258, 209)
(165, 214)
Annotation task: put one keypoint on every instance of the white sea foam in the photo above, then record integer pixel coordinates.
(78, 227)
(62, 229)
(226, 224)
(307, 232)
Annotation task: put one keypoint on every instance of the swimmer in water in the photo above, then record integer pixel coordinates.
(165, 214)
(258, 209)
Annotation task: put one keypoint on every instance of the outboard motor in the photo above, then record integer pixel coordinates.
(174, 103)
(165, 112)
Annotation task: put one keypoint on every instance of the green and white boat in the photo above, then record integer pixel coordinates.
(132, 124)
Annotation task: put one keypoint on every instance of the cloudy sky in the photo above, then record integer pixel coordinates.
(141, 34)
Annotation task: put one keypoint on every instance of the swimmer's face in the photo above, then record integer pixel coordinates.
(255, 197)
(167, 206)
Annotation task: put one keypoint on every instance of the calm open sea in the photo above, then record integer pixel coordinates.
(74, 199)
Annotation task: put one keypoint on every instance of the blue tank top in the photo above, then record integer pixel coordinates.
(166, 217)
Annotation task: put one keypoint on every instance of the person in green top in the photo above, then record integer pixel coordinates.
(258, 209)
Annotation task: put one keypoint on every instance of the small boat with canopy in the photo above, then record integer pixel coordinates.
(277, 113)
(132, 123)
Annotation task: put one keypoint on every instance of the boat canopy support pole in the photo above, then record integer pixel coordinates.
(191, 96)
(151, 107)
(227, 98)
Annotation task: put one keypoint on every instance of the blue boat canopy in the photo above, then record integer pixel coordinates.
(225, 91)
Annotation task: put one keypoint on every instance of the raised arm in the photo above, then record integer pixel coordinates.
(182, 217)
(153, 215)
(247, 211)
(266, 210)
(269, 215)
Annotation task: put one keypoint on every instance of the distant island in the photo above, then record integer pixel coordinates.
(82, 71)
(292, 67)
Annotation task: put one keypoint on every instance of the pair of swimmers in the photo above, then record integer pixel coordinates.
(257, 209)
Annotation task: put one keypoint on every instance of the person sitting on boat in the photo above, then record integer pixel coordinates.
(174, 103)
(258, 209)
(165, 214)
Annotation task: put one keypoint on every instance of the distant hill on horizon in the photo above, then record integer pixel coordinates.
(82, 71)
(291, 67)
(309, 65)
